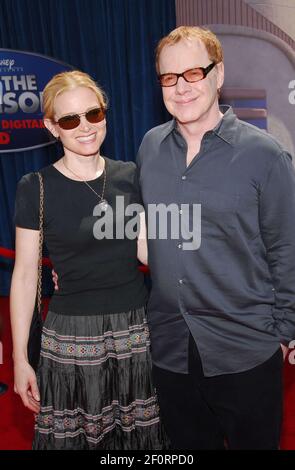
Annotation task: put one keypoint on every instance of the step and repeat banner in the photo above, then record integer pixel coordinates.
(23, 76)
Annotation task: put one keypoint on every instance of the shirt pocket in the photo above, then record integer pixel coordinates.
(218, 214)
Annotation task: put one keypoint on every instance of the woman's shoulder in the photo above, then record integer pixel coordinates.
(124, 176)
(121, 168)
(28, 187)
(28, 183)
(120, 164)
(32, 179)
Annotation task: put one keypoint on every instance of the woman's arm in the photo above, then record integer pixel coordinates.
(142, 249)
(22, 302)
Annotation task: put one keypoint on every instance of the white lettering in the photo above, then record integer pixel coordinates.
(292, 94)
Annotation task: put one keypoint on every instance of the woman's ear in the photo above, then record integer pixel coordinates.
(51, 127)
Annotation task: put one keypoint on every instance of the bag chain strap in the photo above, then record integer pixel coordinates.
(41, 216)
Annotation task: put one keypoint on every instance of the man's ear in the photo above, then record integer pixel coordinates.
(51, 127)
(220, 74)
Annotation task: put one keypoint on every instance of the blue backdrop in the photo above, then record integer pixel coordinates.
(112, 40)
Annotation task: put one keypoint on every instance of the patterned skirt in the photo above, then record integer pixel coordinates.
(95, 382)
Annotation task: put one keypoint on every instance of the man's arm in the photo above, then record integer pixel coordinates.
(277, 224)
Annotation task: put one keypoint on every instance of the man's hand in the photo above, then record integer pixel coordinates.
(285, 350)
(55, 279)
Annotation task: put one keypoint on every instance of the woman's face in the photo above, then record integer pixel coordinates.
(86, 139)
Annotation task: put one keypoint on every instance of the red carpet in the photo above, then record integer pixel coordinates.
(16, 426)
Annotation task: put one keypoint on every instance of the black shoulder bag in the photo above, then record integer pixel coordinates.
(35, 335)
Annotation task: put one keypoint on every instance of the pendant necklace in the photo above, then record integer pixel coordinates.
(103, 204)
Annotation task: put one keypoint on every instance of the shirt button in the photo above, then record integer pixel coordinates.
(183, 177)
(180, 281)
(179, 245)
(180, 211)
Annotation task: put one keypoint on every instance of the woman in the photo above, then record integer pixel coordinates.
(93, 387)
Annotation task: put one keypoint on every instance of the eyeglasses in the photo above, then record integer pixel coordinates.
(71, 121)
(191, 75)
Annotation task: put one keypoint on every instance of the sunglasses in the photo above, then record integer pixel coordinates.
(191, 75)
(71, 121)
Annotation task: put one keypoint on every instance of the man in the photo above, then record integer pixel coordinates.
(221, 316)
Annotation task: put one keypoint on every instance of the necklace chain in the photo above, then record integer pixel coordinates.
(100, 196)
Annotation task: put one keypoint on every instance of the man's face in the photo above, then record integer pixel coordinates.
(190, 102)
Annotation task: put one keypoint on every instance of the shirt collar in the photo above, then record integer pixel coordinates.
(227, 126)
(225, 129)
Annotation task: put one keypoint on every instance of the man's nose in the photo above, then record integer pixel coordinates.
(182, 85)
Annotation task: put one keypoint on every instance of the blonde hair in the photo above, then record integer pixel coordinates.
(208, 38)
(66, 81)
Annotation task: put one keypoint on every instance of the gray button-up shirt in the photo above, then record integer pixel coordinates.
(236, 292)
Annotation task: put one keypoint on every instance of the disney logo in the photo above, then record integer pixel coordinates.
(7, 63)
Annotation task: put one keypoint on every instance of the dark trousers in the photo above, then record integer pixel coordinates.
(235, 411)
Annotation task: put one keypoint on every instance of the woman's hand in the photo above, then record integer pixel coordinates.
(22, 302)
(25, 385)
(285, 350)
(55, 279)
